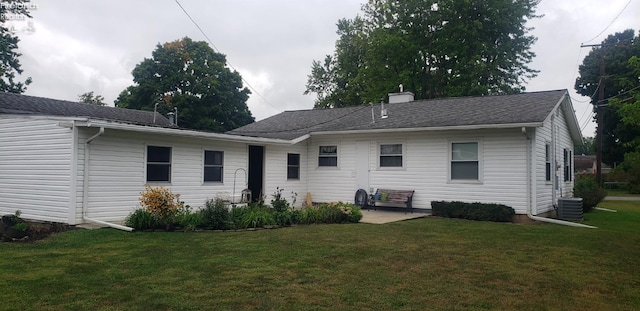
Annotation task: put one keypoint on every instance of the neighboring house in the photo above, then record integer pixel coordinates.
(511, 149)
(586, 164)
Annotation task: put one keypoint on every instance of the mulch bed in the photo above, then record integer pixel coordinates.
(36, 230)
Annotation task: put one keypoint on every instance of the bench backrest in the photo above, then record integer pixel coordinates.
(396, 195)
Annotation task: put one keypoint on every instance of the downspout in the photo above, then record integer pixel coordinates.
(85, 185)
(530, 192)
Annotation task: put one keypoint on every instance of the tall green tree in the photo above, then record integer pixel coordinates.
(616, 51)
(9, 62)
(192, 77)
(434, 48)
(90, 98)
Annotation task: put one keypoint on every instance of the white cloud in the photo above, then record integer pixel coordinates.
(81, 46)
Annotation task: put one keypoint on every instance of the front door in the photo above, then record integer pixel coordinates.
(362, 165)
(256, 171)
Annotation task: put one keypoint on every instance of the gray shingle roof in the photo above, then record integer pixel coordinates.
(11, 103)
(533, 107)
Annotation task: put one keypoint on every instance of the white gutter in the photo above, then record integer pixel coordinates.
(530, 194)
(183, 132)
(85, 185)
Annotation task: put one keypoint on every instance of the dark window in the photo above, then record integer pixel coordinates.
(213, 164)
(293, 166)
(328, 156)
(158, 163)
(391, 155)
(464, 161)
(547, 164)
(567, 165)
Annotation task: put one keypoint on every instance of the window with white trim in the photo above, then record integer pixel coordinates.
(213, 165)
(567, 164)
(293, 166)
(328, 156)
(158, 164)
(547, 162)
(391, 155)
(465, 163)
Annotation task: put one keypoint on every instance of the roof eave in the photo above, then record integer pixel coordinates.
(180, 132)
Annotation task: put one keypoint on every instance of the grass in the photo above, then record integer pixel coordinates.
(429, 263)
(621, 193)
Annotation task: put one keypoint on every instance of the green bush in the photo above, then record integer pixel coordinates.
(329, 213)
(189, 220)
(279, 204)
(235, 216)
(590, 192)
(310, 215)
(472, 211)
(257, 217)
(141, 219)
(215, 215)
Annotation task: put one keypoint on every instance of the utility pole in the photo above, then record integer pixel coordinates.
(599, 113)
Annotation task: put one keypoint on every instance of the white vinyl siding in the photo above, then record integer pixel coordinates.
(426, 169)
(118, 165)
(35, 168)
(276, 168)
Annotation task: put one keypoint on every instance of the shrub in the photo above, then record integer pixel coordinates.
(330, 213)
(215, 215)
(235, 216)
(590, 192)
(162, 203)
(187, 219)
(279, 204)
(472, 211)
(140, 219)
(309, 215)
(256, 217)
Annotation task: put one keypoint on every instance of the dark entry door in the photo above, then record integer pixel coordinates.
(256, 171)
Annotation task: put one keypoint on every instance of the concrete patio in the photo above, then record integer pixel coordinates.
(387, 216)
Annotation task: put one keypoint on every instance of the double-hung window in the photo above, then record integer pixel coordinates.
(547, 162)
(213, 165)
(391, 155)
(158, 164)
(567, 164)
(465, 163)
(293, 166)
(328, 156)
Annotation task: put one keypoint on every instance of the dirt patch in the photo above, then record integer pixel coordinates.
(12, 230)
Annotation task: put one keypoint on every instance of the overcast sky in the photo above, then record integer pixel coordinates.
(71, 47)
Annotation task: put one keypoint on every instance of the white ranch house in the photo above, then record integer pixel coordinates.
(76, 163)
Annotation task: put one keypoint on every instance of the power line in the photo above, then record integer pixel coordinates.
(605, 29)
(228, 63)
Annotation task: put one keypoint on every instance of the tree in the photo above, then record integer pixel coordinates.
(9, 63)
(586, 148)
(619, 79)
(435, 48)
(192, 77)
(89, 98)
(628, 108)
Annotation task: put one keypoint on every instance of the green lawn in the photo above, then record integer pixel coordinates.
(423, 264)
(621, 193)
